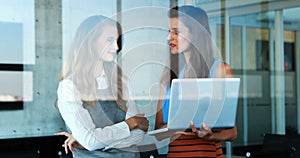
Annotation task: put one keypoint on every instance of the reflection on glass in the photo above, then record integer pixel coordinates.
(11, 42)
(15, 86)
(17, 44)
(252, 44)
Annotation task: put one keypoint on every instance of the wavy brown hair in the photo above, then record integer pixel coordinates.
(202, 52)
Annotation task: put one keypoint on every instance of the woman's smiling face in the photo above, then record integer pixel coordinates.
(106, 44)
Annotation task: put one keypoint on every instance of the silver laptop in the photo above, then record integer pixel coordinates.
(212, 101)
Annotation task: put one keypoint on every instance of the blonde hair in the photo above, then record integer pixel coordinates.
(81, 60)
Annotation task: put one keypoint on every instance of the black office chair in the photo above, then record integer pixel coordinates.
(276, 146)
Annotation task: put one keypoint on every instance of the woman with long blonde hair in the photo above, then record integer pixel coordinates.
(93, 98)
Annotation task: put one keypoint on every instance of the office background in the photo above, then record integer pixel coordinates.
(260, 39)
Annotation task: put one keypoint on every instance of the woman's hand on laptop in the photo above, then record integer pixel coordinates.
(204, 132)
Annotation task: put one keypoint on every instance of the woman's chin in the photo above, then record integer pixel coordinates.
(174, 52)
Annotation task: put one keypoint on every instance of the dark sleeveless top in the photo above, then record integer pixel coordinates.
(105, 113)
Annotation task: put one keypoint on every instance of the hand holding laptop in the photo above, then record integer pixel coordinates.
(212, 101)
(203, 132)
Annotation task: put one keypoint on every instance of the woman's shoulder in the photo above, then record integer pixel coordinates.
(223, 70)
(65, 87)
(66, 82)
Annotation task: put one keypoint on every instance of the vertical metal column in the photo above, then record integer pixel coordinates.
(272, 79)
(298, 77)
(279, 73)
(227, 39)
(227, 59)
(244, 78)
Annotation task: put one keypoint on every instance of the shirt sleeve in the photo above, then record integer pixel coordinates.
(81, 124)
(136, 135)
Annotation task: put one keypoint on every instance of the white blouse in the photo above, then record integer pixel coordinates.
(78, 119)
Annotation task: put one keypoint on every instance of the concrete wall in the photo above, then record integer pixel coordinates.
(40, 117)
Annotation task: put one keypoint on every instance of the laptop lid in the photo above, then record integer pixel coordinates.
(212, 101)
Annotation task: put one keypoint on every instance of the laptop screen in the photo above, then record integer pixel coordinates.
(212, 101)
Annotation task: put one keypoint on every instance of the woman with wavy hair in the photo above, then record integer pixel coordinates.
(93, 97)
(193, 55)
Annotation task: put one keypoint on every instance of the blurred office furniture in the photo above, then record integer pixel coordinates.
(278, 146)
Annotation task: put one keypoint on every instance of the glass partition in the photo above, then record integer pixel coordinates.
(252, 44)
(260, 39)
(17, 49)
